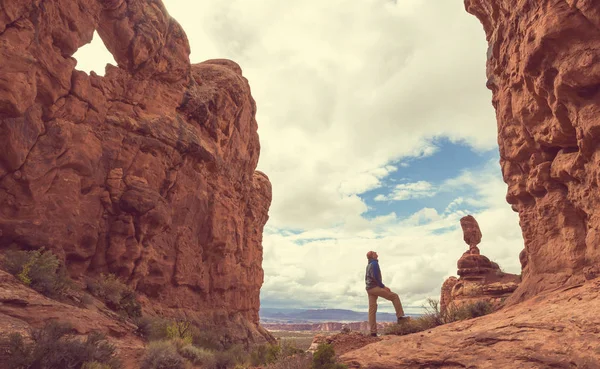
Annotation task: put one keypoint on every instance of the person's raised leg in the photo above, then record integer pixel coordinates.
(395, 299)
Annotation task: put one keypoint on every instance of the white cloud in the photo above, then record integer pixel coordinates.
(416, 253)
(343, 89)
(409, 191)
(363, 182)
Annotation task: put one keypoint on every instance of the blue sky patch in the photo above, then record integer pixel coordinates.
(424, 177)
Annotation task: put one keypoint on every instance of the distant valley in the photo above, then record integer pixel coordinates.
(319, 319)
(276, 315)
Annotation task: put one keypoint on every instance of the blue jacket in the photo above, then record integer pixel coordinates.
(373, 275)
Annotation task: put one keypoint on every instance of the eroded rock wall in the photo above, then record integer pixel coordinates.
(543, 69)
(147, 172)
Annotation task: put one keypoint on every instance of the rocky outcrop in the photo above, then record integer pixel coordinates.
(147, 172)
(22, 308)
(446, 293)
(479, 278)
(557, 329)
(544, 74)
(343, 342)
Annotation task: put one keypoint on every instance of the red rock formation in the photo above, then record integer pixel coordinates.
(344, 342)
(557, 329)
(480, 278)
(544, 73)
(471, 233)
(446, 293)
(148, 172)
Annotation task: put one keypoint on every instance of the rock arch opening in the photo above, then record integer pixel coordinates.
(94, 57)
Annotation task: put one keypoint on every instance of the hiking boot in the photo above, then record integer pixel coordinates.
(373, 334)
(402, 319)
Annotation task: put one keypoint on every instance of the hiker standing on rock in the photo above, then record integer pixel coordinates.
(375, 289)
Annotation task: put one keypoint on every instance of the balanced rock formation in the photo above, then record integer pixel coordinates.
(479, 278)
(147, 172)
(544, 72)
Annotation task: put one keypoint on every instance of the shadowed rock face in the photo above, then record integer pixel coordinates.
(543, 69)
(148, 172)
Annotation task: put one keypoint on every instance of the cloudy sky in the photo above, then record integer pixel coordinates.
(377, 133)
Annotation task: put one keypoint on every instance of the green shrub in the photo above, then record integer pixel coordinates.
(324, 358)
(162, 355)
(53, 346)
(38, 269)
(181, 329)
(116, 295)
(265, 354)
(199, 356)
(156, 329)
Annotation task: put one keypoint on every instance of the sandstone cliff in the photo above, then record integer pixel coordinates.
(148, 172)
(544, 73)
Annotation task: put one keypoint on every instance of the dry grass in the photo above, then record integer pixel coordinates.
(433, 317)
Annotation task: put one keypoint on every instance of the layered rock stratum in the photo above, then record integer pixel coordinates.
(147, 172)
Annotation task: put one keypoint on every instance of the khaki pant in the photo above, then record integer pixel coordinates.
(376, 292)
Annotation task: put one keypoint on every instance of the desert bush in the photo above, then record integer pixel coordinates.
(116, 295)
(231, 357)
(209, 339)
(199, 356)
(265, 354)
(298, 361)
(468, 311)
(289, 348)
(433, 317)
(53, 346)
(152, 328)
(324, 358)
(162, 355)
(272, 353)
(38, 269)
